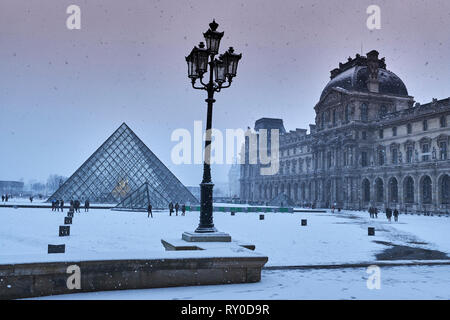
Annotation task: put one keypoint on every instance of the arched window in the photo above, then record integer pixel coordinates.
(379, 190)
(445, 189)
(393, 190)
(366, 190)
(426, 190)
(408, 189)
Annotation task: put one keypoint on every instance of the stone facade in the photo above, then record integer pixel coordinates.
(371, 145)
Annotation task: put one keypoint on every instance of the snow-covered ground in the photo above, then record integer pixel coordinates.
(339, 238)
(395, 283)
(327, 239)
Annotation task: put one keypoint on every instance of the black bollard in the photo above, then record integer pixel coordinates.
(232, 213)
(371, 231)
(261, 217)
(70, 214)
(67, 220)
(64, 231)
(304, 222)
(56, 248)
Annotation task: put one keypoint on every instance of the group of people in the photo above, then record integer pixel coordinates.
(176, 207)
(5, 197)
(335, 207)
(58, 204)
(373, 212)
(171, 209)
(389, 214)
(74, 205)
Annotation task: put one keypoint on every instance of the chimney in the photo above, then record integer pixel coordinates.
(372, 68)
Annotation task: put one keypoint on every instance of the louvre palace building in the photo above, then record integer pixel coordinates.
(371, 145)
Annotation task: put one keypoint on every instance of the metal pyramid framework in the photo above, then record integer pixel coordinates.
(141, 198)
(121, 165)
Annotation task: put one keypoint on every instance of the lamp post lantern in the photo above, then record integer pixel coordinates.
(221, 70)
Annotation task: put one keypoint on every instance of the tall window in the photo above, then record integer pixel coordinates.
(394, 156)
(426, 190)
(425, 125)
(443, 150)
(380, 157)
(364, 112)
(381, 133)
(425, 151)
(383, 110)
(379, 190)
(334, 117)
(364, 160)
(445, 189)
(323, 160)
(329, 159)
(394, 131)
(364, 135)
(346, 113)
(409, 154)
(443, 122)
(409, 190)
(366, 190)
(344, 156)
(409, 128)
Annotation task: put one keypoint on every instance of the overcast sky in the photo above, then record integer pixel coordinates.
(63, 92)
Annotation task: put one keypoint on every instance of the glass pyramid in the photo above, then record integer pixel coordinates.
(281, 200)
(118, 167)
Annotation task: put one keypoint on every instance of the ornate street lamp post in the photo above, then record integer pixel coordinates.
(221, 70)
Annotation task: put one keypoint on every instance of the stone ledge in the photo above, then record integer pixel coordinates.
(206, 237)
(181, 245)
(49, 278)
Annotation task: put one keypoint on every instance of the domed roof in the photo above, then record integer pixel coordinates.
(354, 74)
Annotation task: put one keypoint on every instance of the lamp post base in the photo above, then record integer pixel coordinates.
(206, 237)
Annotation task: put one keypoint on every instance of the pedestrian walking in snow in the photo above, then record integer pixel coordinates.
(86, 205)
(183, 209)
(149, 210)
(170, 208)
(57, 205)
(375, 212)
(396, 215)
(370, 212)
(177, 206)
(388, 214)
(61, 205)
